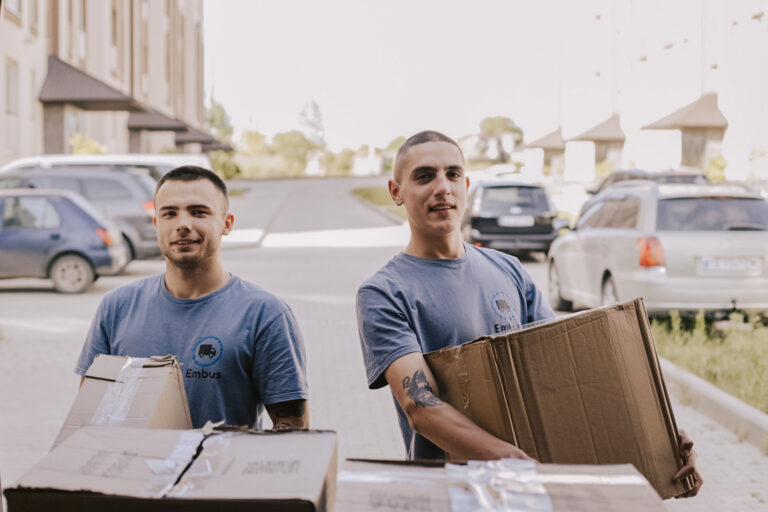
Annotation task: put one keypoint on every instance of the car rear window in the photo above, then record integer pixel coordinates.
(102, 188)
(680, 178)
(501, 199)
(712, 214)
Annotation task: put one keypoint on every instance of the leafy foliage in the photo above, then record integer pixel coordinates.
(82, 145)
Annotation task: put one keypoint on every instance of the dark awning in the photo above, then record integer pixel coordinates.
(607, 131)
(67, 84)
(154, 121)
(192, 135)
(215, 146)
(702, 113)
(552, 141)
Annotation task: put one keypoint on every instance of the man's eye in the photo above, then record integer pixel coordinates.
(420, 177)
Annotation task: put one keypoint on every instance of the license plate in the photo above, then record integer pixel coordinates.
(516, 221)
(743, 265)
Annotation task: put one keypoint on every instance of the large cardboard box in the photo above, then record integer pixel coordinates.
(120, 469)
(131, 392)
(368, 486)
(583, 389)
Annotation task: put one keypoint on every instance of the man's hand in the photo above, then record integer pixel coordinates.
(414, 387)
(689, 465)
(289, 415)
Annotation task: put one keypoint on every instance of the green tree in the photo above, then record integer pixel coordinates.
(293, 147)
(255, 143)
(83, 145)
(339, 164)
(395, 143)
(495, 128)
(312, 122)
(219, 121)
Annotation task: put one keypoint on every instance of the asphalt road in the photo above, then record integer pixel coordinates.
(312, 243)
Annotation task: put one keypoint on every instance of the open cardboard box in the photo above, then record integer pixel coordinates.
(132, 392)
(582, 389)
(120, 469)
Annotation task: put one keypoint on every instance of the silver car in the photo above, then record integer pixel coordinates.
(680, 247)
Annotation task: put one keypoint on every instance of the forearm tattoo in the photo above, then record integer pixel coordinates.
(420, 391)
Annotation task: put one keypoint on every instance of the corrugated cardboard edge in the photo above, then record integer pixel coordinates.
(174, 388)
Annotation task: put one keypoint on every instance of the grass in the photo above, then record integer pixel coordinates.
(734, 358)
(379, 196)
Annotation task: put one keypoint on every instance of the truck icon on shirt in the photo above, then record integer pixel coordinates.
(206, 350)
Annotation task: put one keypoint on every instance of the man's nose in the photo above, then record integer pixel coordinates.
(442, 184)
(183, 221)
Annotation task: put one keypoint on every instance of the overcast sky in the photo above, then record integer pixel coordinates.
(379, 70)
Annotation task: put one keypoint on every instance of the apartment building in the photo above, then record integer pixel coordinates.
(127, 74)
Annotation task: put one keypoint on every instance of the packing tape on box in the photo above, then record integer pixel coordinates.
(166, 471)
(118, 398)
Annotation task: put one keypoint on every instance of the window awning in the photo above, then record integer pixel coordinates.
(607, 131)
(154, 121)
(193, 135)
(65, 84)
(552, 141)
(702, 113)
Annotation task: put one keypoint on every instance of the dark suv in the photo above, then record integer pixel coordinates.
(510, 215)
(127, 197)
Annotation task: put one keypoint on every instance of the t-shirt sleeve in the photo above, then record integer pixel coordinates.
(385, 334)
(279, 363)
(537, 307)
(97, 340)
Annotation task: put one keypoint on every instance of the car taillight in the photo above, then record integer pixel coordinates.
(104, 235)
(651, 252)
(149, 208)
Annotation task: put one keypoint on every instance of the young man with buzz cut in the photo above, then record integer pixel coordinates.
(441, 292)
(239, 345)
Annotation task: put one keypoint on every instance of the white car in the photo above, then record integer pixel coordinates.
(156, 164)
(680, 247)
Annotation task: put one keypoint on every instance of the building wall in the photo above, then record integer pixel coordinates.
(160, 69)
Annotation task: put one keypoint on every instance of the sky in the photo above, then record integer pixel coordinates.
(379, 70)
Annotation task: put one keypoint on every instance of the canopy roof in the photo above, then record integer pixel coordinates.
(702, 113)
(154, 121)
(193, 135)
(551, 141)
(607, 131)
(65, 84)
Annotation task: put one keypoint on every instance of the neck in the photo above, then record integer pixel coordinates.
(442, 247)
(193, 283)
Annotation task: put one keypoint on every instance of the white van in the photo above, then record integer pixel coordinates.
(156, 164)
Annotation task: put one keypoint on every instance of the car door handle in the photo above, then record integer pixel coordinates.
(55, 236)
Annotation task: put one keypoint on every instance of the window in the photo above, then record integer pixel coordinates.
(30, 212)
(622, 214)
(54, 182)
(99, 188)
(34, 17)
(34, 104)
(712, 214)
(13, 10)
(501, 199)
(11, 87)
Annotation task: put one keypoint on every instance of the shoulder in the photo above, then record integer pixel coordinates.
(141, 288)
(267, 304)
(388, 281)
(494, 257)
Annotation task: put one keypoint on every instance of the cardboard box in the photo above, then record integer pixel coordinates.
(117, 468)
(583, 389)
(368, 486)
(130, 392)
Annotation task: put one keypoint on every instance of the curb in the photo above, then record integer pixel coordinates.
(747, 422)
(381, 210)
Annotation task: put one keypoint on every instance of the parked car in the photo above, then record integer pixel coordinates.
(680, 247)
(127, 197)
(155, 164)
(682, 175)
(58, 235)
(510, 215)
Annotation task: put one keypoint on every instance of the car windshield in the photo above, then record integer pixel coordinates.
(712, 214)
(88, 208)
(501, 199)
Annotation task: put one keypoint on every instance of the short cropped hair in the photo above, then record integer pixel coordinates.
(415, 140)
(193, 173)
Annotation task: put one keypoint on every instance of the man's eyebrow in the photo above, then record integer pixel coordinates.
(198, 207)
(427, 168)
(168, 208)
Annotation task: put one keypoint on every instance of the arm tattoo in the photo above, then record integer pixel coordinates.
(420, 391)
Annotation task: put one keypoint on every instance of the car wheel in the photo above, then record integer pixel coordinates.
(131, 250)
(609, 295)
(71, 274)
(555, 299)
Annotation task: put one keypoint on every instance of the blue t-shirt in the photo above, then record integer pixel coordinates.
(240, 346)
(420, 305)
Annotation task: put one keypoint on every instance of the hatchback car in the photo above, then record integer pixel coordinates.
(510, 215)
(127, 197)
(58, 235)
(680, 247)
(683, 175)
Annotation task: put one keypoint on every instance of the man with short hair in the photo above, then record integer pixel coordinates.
(440, 292)
(240, 347)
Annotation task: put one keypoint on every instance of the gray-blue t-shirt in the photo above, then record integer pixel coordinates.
(420, 305)
(240, 346)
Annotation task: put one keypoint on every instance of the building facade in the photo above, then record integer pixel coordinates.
(126, 75)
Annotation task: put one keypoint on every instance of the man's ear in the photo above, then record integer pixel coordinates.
(394, 191)
(229, 221)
